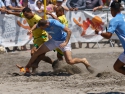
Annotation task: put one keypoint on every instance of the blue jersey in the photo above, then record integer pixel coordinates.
(56, 30)
(117, 25)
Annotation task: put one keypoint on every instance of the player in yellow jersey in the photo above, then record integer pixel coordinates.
(39, 36)
(60, 15)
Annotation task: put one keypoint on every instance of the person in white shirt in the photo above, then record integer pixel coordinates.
(39, 8)
(32, 4)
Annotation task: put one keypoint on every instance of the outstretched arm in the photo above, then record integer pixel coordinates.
(106, 35)
(53, 16)
(14, 13)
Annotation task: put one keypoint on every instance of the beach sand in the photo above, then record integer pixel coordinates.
(104, 80)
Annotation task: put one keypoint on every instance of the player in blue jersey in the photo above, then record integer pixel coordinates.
(60, 39)
(116, 25)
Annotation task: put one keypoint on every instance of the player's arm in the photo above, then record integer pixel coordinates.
(106, 35)
(68, 31)
(14, 13)
(112, 28)
(53, 16)
(34, 27)
(65, 8)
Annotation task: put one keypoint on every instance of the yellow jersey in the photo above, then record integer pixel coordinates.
(40, 36)
(63, 20)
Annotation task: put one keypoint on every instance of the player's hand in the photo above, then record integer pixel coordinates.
(29, 32)
(96, 31)
(62, 45)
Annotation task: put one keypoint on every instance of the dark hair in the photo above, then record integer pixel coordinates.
(115, 5)
(42, 22)
(26, 9)
(60, 8)
(39, 1)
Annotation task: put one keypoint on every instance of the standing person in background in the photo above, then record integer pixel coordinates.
(75, 5)
(39, 9)
(62, 3)
(116, 25)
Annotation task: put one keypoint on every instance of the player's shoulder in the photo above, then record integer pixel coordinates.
(118, 18)
(37, 17)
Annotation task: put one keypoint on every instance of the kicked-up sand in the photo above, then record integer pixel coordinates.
(103, 81)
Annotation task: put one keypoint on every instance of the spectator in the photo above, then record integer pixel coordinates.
(13, 5)
(24, 3)
(49, 6)
(39, 9)
(94, 4)
(2, 6)
(62, 3)
(32, 4)
(74, 5)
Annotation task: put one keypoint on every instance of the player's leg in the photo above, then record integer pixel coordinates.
(59, 54)
(70, 60)
(47, 46)
(42, 49)
(119, 64)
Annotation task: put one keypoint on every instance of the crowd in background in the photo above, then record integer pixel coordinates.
(37, 6)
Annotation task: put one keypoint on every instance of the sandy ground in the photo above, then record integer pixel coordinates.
(106, 82)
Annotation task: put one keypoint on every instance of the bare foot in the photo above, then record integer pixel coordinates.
(90, 69)
(88, 66)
